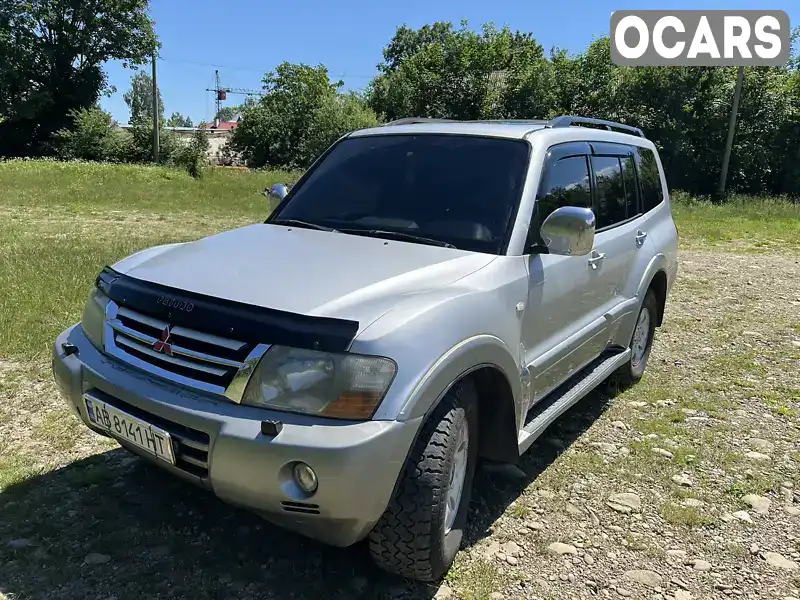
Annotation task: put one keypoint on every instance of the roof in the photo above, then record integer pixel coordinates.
(223, 125)
(512, 129)
(484, 128)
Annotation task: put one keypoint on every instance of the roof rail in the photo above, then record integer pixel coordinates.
(568, 121)
(412, 120)
(513, 121)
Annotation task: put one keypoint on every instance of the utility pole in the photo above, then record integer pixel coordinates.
(155, 112)
(731, 130)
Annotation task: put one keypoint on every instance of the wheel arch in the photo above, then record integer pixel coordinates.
(486, 361)
(659, 286)
(655, 277)
(497, 415)
(497, 411)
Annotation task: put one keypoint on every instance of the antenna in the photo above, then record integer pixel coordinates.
(221, 93)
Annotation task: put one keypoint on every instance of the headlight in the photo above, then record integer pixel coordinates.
(94, 316)
(344, 386)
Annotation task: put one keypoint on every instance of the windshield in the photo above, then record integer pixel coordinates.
(458, 190)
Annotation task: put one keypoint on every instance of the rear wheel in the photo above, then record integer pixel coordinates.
(641, 342)
(420, 533)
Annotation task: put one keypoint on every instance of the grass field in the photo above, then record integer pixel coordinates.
(715, 419)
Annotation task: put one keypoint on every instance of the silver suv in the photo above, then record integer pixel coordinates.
(428, 294)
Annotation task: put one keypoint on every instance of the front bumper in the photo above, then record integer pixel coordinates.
(357, 463)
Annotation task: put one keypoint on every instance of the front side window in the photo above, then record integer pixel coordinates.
(610, 205)
(462, 190)
(566, 183)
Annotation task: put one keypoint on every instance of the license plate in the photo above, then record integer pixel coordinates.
(121, 425)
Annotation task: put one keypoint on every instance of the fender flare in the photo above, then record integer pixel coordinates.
(460, 360)
(656, 264)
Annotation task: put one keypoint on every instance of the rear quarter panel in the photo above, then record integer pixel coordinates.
(661, 228)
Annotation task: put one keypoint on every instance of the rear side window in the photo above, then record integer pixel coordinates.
(610, 205)
(566, 184)
(629, 177)
(649, 180)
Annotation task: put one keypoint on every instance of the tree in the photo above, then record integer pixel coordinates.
(272, 130)
(51, 57)
(440, 71)
(337, 115)
(228, 113)
(140, 98)
(408, 42)
(178, 120)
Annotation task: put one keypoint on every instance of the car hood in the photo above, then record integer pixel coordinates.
(305, 271)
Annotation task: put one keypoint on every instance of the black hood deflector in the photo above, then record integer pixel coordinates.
(227, 318)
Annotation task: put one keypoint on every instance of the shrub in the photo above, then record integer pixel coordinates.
(93, 137)
(193, 155)
(140, 143)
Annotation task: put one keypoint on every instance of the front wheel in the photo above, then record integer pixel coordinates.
(641, 342)
(420, 533)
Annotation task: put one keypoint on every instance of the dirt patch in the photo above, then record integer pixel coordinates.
(684, 486)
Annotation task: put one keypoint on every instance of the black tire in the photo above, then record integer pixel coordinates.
(410, 540)
(633, 370)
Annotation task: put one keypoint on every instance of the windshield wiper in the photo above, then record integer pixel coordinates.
(304, 224)
(399, 235)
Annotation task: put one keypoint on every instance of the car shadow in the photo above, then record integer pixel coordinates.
(494, 490)
(114, 526)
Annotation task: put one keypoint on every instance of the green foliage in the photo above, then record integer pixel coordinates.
(194, 155)
(228, 113)
(178, 120)
(272, 130)
(51, 56)
(458, 73)
(140, 98)
(338, 115)
(441, 71)
(67, 219)
(93, 137)
(140, 145)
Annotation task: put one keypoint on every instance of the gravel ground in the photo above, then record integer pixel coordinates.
(684, 486)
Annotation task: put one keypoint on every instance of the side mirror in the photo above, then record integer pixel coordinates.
(278, 192)
(569, 231)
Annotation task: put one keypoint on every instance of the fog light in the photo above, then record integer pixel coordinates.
(305, 477)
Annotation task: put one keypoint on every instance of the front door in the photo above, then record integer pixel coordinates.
(563, 324)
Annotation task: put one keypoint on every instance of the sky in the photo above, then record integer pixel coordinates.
(246, 38)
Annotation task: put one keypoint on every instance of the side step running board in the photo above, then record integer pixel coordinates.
(543, 413)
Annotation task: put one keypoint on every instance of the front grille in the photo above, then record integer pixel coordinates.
(189, 445)
(205, 360)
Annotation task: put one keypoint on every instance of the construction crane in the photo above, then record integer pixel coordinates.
(221, 93)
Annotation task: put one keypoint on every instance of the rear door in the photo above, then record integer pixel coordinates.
(621, 248)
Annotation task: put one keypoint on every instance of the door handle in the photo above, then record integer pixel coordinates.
(641, 236)
(595, 258)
